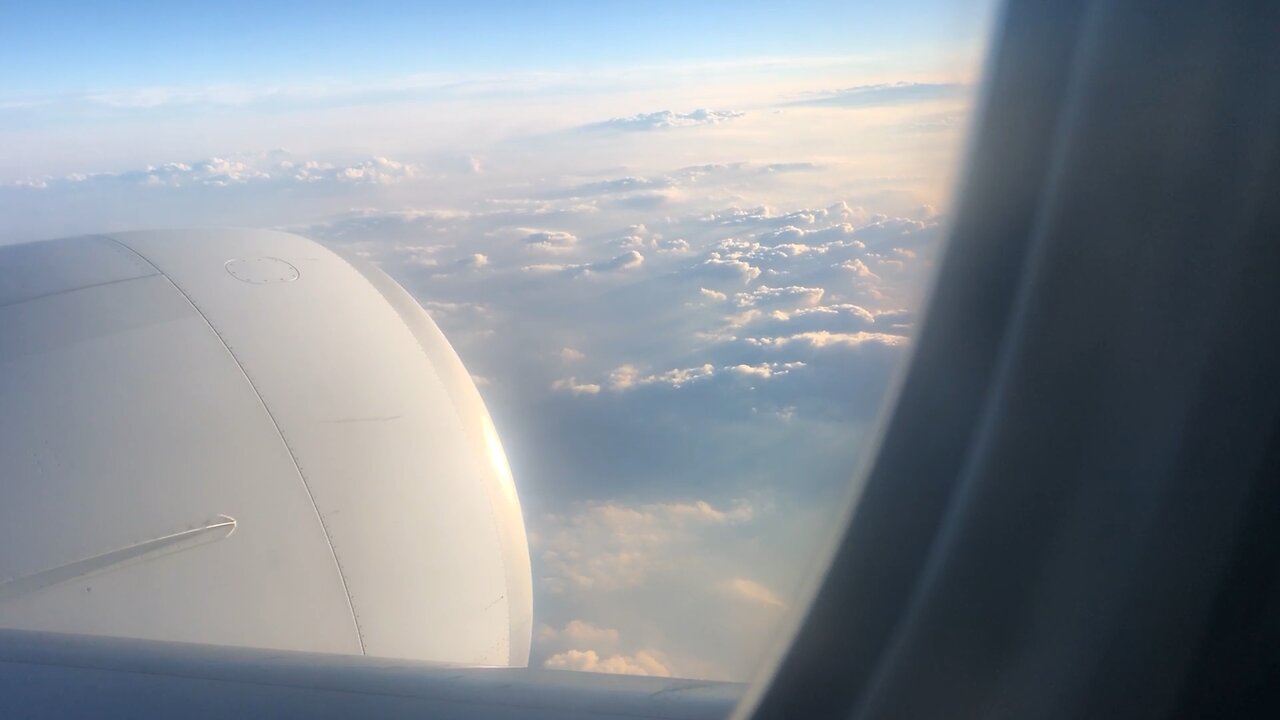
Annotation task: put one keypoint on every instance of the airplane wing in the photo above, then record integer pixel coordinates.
(60, 675)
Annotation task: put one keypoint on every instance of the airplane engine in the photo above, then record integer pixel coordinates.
(242, 438)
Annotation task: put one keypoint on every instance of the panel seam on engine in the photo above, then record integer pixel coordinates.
(342, 578)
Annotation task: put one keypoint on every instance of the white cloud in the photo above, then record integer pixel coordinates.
(641, 238)
(570, 355)
(626, 261)
(764, 371)
(794, 249)
(717, 266)
(475, 261)
(680, 376)
(376, 170)
(742, 319)
(857, 311)
(715, 295)
(765, 217)
(657, 244)
(642, 663)
(611, 546)
(702, 510)
(754, 592)
(550, 240)
(629, 260)
(823, 338)
(858, 268)
(836, 318)
(572, 385)
(794, 295)
(580, 634)
(626, 377)
(278, 166)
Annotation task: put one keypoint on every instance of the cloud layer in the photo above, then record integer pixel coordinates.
(278, 166)
(667, 120)
(683, 323)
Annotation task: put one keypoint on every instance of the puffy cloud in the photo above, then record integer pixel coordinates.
(754, 592)
(626, 261)
(679, 376)
(858, 268)
(569, 355)
(823, 338)
(573, 386)
(891, 232)
(666, 119)
(581, 633)
(856, 311)
(808, 240)
(776, 328)
(794, 249)
(794, 295)
(606, 572)
(764, 371)
(839, 318)
(279, 166)
(715, 295)
(742, 319)
(701, 510)
(763, 216)
(642, 663)
(718, 266)
(611, 546)
(640, 238)
(626, 377)
(475, 261)
(376, 171)
(552, 240)
(629, 260)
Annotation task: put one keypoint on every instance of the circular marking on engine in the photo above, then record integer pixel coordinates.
(261, 270)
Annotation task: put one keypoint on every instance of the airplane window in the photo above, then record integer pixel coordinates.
(679, 248)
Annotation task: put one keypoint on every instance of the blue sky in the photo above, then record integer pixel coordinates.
(678, 245)
(53, 47)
